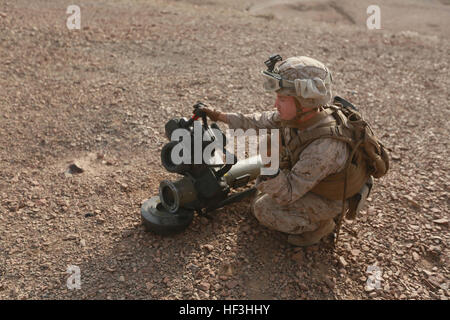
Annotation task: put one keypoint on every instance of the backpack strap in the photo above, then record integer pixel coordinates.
(338, 129)
(321, 115)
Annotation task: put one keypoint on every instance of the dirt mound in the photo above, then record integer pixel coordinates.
(314, 11)
(428, 17)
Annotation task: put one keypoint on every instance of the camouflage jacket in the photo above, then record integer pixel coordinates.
(319, 159)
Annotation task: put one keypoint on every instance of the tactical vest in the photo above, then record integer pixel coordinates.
(368, 156)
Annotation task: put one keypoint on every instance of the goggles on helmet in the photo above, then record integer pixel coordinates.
(274, 81)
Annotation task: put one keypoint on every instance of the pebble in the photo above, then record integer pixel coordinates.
(343, 262)
(436, 249)
(441, 221)
(208, 247)
(297, 257)
(231, 284)
(74, 169)
(368, 288)
(71, 236)
(204, 286)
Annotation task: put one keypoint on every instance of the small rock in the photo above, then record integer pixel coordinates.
(204, 286)
(83, 243)
(343, 262)
(415, 256)
(209, 247)
(428, 273)
(435, 249)
(329, 281)
(127, 233)
(355, 252)
(122, 279)
(441, 221)
(369, 288)
(45, 266)
(297, 257)
(303, 287)
(70, 237)
(231, 284)
(2, 14)
(412, 202)
(74, 169)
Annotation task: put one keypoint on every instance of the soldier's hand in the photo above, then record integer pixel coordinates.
(214, 115)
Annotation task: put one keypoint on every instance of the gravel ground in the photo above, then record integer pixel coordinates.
(99, 97)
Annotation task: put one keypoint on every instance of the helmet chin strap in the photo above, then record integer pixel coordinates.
(302, 115)
(304, 112)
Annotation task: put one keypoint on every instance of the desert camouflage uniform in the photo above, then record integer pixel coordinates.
(284, 203)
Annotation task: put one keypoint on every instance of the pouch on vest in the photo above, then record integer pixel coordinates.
(356, 203)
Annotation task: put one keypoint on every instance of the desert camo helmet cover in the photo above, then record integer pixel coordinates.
(309, 79)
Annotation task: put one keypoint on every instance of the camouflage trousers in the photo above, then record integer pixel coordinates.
(301, 216)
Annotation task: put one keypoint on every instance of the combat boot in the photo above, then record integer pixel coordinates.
(312, 237)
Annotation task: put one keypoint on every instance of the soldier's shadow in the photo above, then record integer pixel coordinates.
(277, 270)
(237, 256)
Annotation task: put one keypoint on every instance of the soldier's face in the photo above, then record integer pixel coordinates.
(286, 107)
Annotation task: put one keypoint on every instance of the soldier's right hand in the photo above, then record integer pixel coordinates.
(214, 115)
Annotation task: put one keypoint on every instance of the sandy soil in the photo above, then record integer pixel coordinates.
(99, 97)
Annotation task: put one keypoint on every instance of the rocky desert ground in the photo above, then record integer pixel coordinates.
(99, 97)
